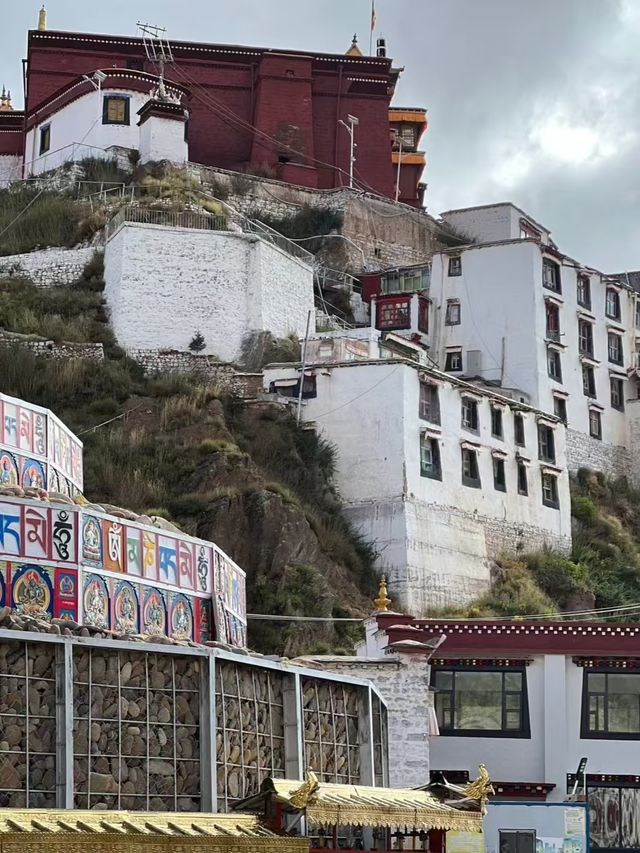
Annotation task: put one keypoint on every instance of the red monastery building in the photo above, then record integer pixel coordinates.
(274, 112)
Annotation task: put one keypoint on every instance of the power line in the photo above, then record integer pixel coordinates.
(270, 618)
(348, 403)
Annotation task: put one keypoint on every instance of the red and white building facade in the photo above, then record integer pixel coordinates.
(531, 699)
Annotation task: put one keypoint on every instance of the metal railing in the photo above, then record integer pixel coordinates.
(174, 219)
(254, 226)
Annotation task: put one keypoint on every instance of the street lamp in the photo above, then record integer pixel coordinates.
(353, 122)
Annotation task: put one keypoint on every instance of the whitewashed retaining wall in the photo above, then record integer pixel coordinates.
(48, 267)
(163, 284)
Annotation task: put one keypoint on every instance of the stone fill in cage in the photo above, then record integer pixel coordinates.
(330, 720)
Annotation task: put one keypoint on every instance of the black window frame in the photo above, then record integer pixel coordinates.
(455, 266)
(433, 406)
(613, 292)
(436, 470)
(449, 356)
(604, 734)
(497, 423)
(560, 408)
(471, 405)
(529, 834)
(546, 443)
(556, 287)
(473, 482)
(45, 135)
(523, 732)
(127, 110)
(618, 383)
(449, 320)
(552, 311)
(589, 388)
(499, 474)
(553, 357)
(519, 433)
(585, 338)
(584, 283)
(637, 313)
(523, 479)
(598, 415)
(619, 359)
(554, 502)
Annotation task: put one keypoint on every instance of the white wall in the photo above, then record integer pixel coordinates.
(492, 222)
(547, 819)
(80, 122)
(163, 284)
(10, 168)
(163, 139)
(435, 538)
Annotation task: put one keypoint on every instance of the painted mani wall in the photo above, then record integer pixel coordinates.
(163, 284)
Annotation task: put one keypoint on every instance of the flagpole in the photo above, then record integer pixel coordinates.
(372, 26)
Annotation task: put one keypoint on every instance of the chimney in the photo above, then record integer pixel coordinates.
(42, 20)
(381, 49)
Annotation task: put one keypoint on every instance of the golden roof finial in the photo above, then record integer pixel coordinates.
(383, 601)
(5, 101)
(42, 20)
(354, 50)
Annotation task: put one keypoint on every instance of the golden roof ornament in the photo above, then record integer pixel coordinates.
(42, 20)
(383, 601)
(5, 101)
(301, 796)
(354, 50)
(481, 788)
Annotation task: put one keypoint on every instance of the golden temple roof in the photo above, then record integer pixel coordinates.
(133, 831)
(360, 805)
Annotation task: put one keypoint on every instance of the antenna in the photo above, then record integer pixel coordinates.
(157, 48)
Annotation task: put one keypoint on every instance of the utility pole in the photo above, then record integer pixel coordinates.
(304, 364)
(353, 122)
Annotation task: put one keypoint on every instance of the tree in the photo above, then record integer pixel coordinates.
(198, 342)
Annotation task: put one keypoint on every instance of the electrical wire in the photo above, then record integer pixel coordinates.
(349, 402)
(270, 618)
(23, 211)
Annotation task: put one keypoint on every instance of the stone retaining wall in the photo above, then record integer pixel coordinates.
(48, 267)
(583, 451)
(205, 366)
(51, 349)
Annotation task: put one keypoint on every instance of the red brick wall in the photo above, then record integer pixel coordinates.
(294, 97)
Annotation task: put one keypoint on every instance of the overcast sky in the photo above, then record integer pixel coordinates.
(535, 102)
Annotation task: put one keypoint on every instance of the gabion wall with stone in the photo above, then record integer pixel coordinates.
(107, 724)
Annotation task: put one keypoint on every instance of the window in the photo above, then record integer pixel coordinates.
(455, 265)
(499, 476)
(550, 490)
(614, 348)
(546, 444)
(430, 458)
(617, 393)
(611, 704)
(637, 313)
(409, 280)
(588, 381)
(517, 840)
(584, 291)
(518, 429)
(115, 109)
(470, 414)
(612, 304)
(423, 315)
(481, 702)
(496, 422)
(523, 484)
(553, 321)
(560, 408)
(554, 365)
(470, 470)
(527, 231)
(45, 138)
(453, 313)
(393, 313)
(291, 387)
(429, 402)
(551, 275)
(453, 361)
(585, 338)
(595, 424)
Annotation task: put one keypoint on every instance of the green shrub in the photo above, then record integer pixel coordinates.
(584, 510)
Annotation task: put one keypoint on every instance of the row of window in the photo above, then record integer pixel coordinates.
(431, 466)
(615, 351)
(616, 383)
(493, 701)
(115, 110)
(429, 410)
(552, 281)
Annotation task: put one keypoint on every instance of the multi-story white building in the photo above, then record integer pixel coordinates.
(511, 310)
(535, 701)
(442, 476)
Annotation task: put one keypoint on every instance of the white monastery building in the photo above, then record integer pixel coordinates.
(441, 475)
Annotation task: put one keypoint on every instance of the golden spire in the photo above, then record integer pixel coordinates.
(42, 20)
(5, 102)
(383, 601)
(354, 50)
